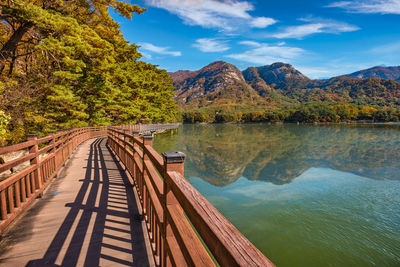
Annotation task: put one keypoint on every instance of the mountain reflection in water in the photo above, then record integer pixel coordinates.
(278, 153)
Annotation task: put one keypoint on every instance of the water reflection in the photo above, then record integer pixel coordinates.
(299, 193)
(222, 153)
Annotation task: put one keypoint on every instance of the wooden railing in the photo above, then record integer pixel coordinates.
(46, 157)
(184, 228)
(149, 128)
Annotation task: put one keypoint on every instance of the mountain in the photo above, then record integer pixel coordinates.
(182, 75)
(254, 79)
(345, 89)
(279, 83)
(278, 75)
(218, 80)
(390, 73)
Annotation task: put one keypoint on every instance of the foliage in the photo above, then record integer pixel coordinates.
(309, 112)
(4, 120)
(372, 91)
(66, 64)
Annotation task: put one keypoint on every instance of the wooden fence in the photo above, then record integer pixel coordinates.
(19, 190)
(184, 228)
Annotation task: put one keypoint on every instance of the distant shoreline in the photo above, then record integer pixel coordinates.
(298, 123)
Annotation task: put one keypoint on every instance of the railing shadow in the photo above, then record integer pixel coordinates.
(103, 225)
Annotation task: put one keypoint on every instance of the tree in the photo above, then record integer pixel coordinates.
(4, 120)
(66, 63)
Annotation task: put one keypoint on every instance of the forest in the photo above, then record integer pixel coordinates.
(307, 112)
(66, 64)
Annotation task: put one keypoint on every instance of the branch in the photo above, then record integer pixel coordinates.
(29, 53)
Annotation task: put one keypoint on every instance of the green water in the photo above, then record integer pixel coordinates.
(305, 195)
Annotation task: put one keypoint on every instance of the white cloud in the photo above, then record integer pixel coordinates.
(221, 14)
(315, 26)
(159, 50)
(211, 45)
(264, 54)
(146, 55)
(262, 22)
(250, 43)
(369, 6)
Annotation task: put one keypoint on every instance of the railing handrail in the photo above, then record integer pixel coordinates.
(176, 214)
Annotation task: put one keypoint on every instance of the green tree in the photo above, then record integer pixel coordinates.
(67, 64)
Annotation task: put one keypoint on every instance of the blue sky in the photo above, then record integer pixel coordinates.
(320, 38)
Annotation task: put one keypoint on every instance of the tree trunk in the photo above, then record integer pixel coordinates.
(11, 45)
(14, 57)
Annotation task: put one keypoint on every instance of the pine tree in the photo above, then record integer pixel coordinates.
(66, 64)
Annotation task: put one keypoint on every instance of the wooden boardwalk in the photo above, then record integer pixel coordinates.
(87, 217)
(91, 215)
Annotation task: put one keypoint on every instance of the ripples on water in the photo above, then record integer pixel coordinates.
(303, 194)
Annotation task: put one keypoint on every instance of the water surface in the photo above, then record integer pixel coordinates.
(305, 195)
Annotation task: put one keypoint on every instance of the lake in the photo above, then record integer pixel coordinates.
(305, 195)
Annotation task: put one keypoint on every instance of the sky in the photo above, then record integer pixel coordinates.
(322, 38)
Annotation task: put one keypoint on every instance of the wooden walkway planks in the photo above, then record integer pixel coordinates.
(86, 218)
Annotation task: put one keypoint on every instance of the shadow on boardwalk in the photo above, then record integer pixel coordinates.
(103, 226)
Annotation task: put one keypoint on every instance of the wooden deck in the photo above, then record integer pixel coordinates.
(87, 217)
(92, 215)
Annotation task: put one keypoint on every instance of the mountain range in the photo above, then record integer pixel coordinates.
(221, 82)
(390, 73)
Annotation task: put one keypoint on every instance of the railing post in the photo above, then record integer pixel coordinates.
(70, 141)
(53, 151)
(35, 161)
(73, 139)
(76, 137)
(68, 145)
(135, 155)
(53, 141)
(118, 136)
(114, 139)
(135, 135)
(64, 137)
(58, 155)
(147, 141)
(173, 161)
(115, 136)
(125, 157)
(108, 131)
